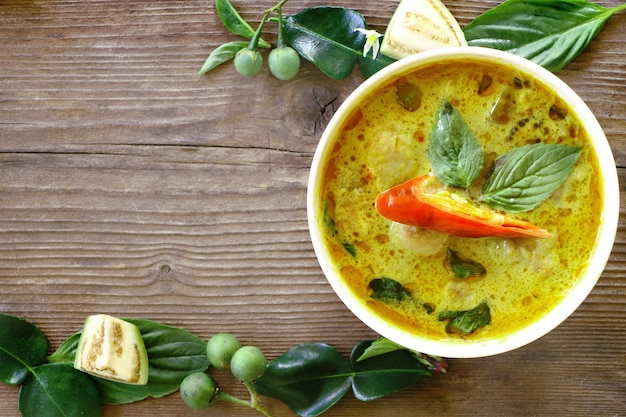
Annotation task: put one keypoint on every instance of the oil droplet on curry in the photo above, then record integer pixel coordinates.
(384, 142)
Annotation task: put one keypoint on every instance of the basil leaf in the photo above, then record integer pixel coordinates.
(379, 346)
(173, 353)
(22, 346)
(222, 54)
(67, 351)
(463, 267)
(234, 22)
(309, 378)
(329, 221)
(549, 32)
(350, 248)
(455, 155)
(388, 290)
(325, 36)
(383, 374)
(59, 390)
(117, 393)
(526, 176)
(466, 322)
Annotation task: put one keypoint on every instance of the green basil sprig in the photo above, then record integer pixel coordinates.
(549, 32)
(522, 178)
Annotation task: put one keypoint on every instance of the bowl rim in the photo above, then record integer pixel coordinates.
(550, 320)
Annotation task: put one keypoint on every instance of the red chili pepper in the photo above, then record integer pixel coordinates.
(408, 204)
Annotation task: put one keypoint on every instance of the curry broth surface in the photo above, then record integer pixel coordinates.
(382, 144)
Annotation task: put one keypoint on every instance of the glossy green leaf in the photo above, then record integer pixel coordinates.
(369, 66)
(525, 176)
(312, 377)
(22, 346)
(549, 32)
(59, 390)
(464, 322)
(455, 155)
(383, 374)
(221, 55)
(309, 378)
(325, 36)
(233, 21)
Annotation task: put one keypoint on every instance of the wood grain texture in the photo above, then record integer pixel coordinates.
(131, 185)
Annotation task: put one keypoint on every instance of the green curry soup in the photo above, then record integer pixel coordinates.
(384, 142)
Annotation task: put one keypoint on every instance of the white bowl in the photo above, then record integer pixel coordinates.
(460, 348)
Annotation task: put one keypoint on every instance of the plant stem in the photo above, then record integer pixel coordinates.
(277, 6)
(254, 42)
(618, 8)
(253, 403)
(280, 43)
(254, 397)
(224, 396)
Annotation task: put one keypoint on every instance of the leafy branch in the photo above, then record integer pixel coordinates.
(309, 378)
(551, 33)
(326, 36)
(521, 179)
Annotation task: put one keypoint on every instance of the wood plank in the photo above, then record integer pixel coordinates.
(133, 186)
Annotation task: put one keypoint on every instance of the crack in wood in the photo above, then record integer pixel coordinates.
(327, 108)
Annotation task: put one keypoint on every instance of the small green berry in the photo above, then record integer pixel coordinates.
(198, 390)
(248, 364)
(284, 62)
(220, 349)
(248, 62)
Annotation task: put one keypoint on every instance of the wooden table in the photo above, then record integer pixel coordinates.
(133, 186)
